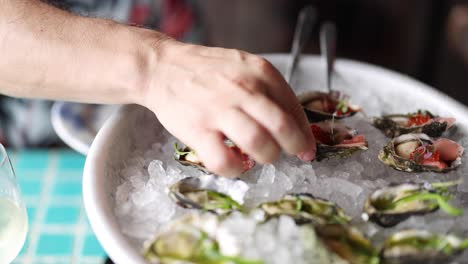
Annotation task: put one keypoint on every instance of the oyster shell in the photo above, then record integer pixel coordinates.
(199, 193)
(336, 140)
(419, 152)
(420, 246)
(419, 122)
(389, 206)
(348, 243)
(188, 157)
(305, 208)
(320, 106)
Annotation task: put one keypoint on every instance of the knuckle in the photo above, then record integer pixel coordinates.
(249, 86)
(236, 55)
(240, 55)
(256, 86)
(262, 64)
(239, 80)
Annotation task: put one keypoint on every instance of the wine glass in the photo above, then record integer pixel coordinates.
(13, 217)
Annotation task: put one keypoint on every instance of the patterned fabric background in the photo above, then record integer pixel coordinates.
(26, 123)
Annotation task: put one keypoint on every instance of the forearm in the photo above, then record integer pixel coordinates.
(49, 53)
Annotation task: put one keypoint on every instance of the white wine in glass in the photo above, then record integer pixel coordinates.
(13, 217)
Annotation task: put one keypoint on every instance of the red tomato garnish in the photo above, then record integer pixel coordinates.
(340, 113)
(355, 139)
(418, 119)
(425, 154)
(418, 154)
(439, 164)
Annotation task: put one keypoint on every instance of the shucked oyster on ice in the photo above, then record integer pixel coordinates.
(191, 239)
(305, 208)
(188, 157)
(420, 246)
(196, 193)
(336, 140)
(348, 243)
(207, 239)
(419, 122)
(320, 106)
(419, 152)
(391, 205)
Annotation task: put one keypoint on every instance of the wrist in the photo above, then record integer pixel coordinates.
(152, 50)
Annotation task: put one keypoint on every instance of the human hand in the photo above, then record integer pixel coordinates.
(202, 95)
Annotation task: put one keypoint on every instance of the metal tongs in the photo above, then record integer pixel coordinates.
(304, 26)
(328, 50)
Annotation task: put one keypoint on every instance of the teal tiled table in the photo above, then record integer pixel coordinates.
(59, 232)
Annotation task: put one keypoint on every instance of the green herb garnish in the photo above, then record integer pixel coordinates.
(219, 200)
(194, 246)
(182, 151)
(342, 106)
(439, 198)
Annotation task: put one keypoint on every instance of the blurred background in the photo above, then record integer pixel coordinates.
(426, 39)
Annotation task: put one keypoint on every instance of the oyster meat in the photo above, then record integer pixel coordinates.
(421, 246)
(336, 140)
(419, 122)
(188, 157)
(196, 193)
(305, 208)
(320, 106)
(419, 152)
(389, 206)
(348, 243)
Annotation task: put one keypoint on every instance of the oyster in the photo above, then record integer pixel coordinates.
(394, 204)
(197, 193)
(305, 208)
(336, 140)
(419, 152)
(190, 241)
(348, 243)
(420, 246)
(188, 157)
(320, 106)
(419, 122)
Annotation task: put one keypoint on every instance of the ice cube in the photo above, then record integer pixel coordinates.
(345, 187)
(236, 189)
(267, 175)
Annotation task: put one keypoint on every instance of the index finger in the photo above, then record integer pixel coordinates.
(281, 93)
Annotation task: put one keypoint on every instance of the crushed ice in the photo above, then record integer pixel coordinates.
(143, 206)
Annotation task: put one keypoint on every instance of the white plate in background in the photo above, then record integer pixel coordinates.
(77, 124)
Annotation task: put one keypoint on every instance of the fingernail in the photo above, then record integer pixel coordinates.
(307, 155)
